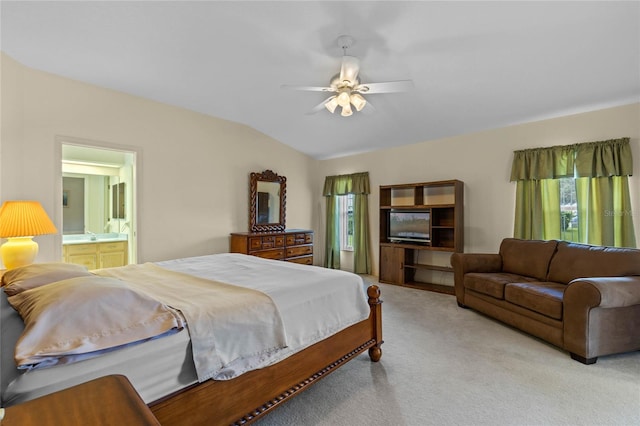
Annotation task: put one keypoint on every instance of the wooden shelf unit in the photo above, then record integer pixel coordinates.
(445, 202)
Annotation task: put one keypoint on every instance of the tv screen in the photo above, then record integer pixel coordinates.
(409, 226)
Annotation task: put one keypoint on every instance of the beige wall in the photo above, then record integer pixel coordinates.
(193, 171)
(483, 162)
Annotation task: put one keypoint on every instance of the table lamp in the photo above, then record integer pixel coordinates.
(20, 221)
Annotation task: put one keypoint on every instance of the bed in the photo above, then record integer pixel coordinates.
(180, 390)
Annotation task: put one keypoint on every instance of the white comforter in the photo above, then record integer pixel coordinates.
(229, 325)
(313, 302)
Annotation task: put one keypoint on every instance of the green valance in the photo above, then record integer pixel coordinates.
(543, 163)
(604, 159)
(356, 183)
(591, 159)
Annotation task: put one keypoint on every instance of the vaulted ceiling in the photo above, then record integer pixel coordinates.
(475, 65)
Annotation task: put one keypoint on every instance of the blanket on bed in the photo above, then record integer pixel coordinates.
(226, 322)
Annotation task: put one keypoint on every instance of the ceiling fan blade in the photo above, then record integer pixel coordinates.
(349, 69)
(319, 107)
(309, 88)
(385, 87)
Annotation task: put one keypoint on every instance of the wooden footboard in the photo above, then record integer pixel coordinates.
(244, 399)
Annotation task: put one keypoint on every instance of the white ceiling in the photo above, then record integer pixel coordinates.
(475, 65)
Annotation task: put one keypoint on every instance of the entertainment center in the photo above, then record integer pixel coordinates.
(419, 218)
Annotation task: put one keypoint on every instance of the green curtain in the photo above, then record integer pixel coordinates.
(332, 239)
(357, 184)
(537, 209)
(361, 255)
(602, 189)
(543, 163)
(604, 159)
(537, 190)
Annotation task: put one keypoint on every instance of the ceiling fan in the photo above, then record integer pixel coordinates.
(347, 87)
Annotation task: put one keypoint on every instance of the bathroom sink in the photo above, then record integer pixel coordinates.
(93, 238)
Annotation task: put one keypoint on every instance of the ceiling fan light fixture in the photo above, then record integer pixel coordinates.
(344, 98)
(358, 101)
(346, 110)
(331, 104)
(346, 88)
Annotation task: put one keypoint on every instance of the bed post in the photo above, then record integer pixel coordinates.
(375, 352)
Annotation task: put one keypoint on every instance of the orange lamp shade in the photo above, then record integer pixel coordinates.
(19, 222)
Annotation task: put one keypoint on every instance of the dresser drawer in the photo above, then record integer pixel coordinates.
(266, 242)
(255, 243)
(304, 260)
(301, 238)
(299, 251)
(277, 254)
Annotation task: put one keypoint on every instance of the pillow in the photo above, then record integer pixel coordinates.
(38, 274)
(529, 258)
(574, 260)
(85, 316)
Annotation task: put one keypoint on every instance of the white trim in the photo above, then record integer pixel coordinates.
(135, 254)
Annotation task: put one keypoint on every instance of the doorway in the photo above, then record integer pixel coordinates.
(98, 204)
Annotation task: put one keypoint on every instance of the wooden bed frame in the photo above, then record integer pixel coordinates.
(243, 400)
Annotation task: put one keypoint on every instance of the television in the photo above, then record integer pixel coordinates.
(409, 225)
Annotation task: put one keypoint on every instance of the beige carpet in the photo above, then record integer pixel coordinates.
(443, 365)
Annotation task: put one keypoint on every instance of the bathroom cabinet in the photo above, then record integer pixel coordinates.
(96, 255)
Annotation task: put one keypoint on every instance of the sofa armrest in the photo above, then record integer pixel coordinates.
(599, 315)
(604, 292)
(463, 263)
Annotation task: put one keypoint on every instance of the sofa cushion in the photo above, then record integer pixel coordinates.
(542, 297)
(491, 283)
(574, 260)
(527, 257)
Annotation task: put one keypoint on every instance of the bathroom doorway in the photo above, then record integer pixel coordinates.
(98, 205)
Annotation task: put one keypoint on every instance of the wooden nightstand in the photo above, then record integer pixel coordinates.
(109, 400)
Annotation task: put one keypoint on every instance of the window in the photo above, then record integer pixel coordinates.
(575, 193)
(568, 210)
(346, 221)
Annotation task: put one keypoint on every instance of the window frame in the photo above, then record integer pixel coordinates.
(347, 224)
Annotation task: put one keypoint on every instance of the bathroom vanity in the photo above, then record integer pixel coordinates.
(96, 251)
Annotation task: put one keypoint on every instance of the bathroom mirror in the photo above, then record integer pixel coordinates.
(118, 201)
(267, 196)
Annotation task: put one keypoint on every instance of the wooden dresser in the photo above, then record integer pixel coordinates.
(291, 245)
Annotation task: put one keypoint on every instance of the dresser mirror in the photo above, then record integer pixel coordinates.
(267, 196)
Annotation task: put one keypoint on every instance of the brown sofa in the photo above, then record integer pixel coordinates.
(584, 299)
